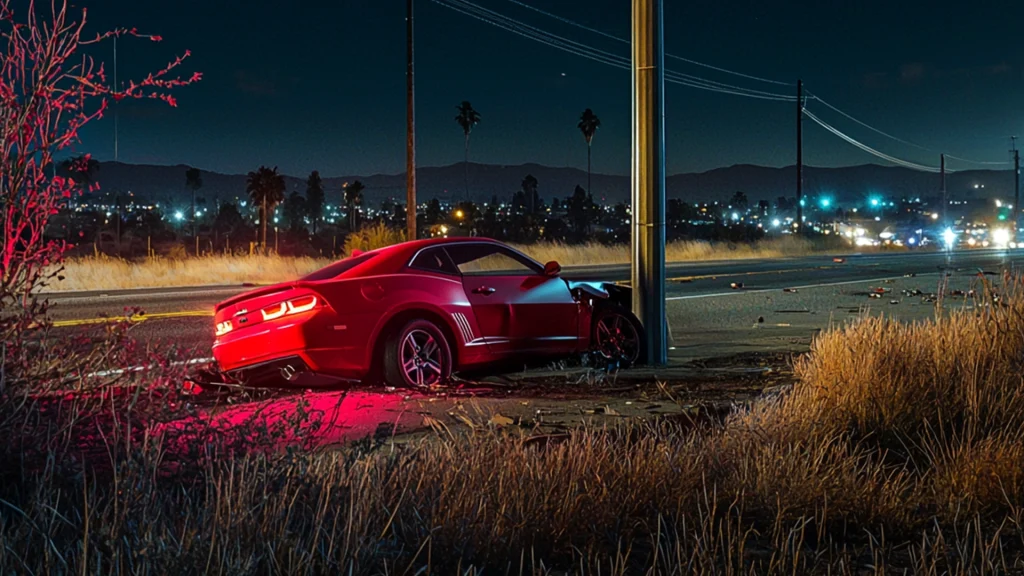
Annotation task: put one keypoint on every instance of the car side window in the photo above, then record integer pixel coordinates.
(434, 260)
(490, 260)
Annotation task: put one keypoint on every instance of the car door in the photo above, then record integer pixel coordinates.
(518, 308)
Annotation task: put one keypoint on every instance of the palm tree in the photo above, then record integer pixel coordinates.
(315, 198)
(193, 181)
(266, 188)
(589, 123)
(353, 198)
(467, 118)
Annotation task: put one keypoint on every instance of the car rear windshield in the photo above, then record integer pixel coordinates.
(338, 268)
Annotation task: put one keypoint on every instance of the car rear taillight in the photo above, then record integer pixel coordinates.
(224, 327)
(293, 306)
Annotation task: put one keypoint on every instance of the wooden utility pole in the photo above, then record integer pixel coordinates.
(648, 177)
(800, 156)
(945, 198)
(1016, 188)
(410, 142)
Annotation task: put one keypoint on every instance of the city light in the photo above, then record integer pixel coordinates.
(735, 216)
(776, 223)
(999, 203)
(1001, 237)
(459, 214)
(949, 237)
(875, 202)
(825, 202)
(179, 216)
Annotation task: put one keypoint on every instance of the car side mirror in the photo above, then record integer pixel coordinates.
(552, 268)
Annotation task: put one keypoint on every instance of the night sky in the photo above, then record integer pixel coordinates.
(321, 85)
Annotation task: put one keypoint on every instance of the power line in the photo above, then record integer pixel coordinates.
(494, 18)
(580, 49)
(618, 39)
(902, 141)
(870, 150)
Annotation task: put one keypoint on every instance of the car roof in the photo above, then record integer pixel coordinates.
(391, 259)
(407, 249)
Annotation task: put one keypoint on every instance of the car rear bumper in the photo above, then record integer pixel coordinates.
(277, 351)
(290, 370)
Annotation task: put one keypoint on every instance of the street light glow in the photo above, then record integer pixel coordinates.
(179, 216)
(949, 237)
(825, 202)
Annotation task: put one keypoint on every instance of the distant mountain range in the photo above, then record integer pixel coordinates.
(845, 185)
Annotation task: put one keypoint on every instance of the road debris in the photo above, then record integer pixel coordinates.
(498, 421)
(790, 290)
(736, 285)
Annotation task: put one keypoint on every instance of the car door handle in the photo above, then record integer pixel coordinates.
(485, 290)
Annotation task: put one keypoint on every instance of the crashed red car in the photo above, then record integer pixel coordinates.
(414, 313)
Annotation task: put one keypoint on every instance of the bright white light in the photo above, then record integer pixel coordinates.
(863, 241)
(179, 216)
(874, 202)
(826, 202)
(949, 237)
(1001, 237)
(776, 223)
(999, 203)
(935, 215)
(886, 235)
(911, 240)
(735, 216)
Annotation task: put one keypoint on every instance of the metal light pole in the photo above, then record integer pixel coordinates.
(648, 177)
(410, 142)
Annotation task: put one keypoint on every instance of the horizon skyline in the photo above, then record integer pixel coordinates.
(459, 165)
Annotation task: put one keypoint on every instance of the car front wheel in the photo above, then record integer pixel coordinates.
(616, 335)
(417, 355)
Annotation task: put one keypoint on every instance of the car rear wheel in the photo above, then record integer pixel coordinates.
(417, 355)
(616, 335)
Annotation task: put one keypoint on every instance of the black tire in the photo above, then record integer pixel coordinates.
(625, 347)
(411, 343)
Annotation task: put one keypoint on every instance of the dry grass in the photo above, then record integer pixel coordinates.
(593, 253)
(899, 448)
(107, 273)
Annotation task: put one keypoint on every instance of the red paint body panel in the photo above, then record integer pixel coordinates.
(487, 318)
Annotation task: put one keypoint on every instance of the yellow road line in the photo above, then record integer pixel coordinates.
(134, 318)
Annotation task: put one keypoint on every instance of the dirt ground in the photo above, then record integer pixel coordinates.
(540, 402)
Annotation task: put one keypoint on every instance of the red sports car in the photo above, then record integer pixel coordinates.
(413, 313)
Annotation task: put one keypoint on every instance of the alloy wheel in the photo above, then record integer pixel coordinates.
(421, 358)
(616, 338)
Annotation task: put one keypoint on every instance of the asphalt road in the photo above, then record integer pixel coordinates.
(706, 316)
